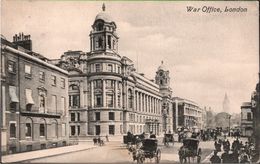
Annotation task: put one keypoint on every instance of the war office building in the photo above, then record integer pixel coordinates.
(107, 95)
(34, 99)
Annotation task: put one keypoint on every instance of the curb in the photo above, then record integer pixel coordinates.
(17, 162)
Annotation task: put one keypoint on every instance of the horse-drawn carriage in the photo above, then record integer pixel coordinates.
(190, 149)
(148, 149)
(168, 138)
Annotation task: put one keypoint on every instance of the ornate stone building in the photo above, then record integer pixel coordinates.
(106, 94)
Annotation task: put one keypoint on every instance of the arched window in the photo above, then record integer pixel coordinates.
(130, 98)
(28, 127)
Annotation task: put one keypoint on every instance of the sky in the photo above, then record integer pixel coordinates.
(207, 54)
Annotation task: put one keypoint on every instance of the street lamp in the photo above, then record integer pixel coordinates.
(229, 117)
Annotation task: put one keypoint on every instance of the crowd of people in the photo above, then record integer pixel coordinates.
(237, 152)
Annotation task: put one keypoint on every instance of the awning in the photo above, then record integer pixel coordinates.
(13, 95)
(29, 99)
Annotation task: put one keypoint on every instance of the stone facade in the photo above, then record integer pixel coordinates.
(34, 101)
(107, 93)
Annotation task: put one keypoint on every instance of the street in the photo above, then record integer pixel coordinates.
(115, 152)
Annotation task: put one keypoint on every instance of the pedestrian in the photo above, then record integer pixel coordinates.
(234, 157)
(225, 157)
(215, 158)
(107, 138)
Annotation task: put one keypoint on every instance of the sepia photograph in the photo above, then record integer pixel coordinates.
(129, 81)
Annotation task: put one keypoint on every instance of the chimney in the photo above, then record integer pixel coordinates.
(23, 41)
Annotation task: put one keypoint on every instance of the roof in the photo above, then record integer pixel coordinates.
(104, 16)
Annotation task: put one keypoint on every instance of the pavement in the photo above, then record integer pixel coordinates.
(21, 157)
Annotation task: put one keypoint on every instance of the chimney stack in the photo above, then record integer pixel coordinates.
(23, 41)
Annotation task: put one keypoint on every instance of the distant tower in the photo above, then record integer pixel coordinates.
(162, 78)
(226, 102)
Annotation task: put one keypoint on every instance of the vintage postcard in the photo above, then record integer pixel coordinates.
(129, 81)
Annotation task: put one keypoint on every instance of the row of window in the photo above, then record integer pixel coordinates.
(99, 42)
(111, 129)
(29, 100)
(111, 116)
(28, 73)
(73, 116)
(42, 129)
(103, 67)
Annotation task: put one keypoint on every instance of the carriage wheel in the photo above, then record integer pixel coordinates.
(158, 156)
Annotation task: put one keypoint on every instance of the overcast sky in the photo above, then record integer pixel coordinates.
(207, 55)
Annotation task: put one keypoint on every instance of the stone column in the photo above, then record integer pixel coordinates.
(81, 93)
(92, 93)
(104, 93)
(137, 101)
(116, 94)
(133, 100)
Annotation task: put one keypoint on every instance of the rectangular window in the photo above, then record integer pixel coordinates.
(97, 115)
(53, 80)
(42, 130)
(98, 67)
(111, 129)
(72, 117)
(110, 101)
(42, 76)
(111, 116)
(11, 66)
(109, 68)
(62, 82)
(249, 117)
(119, 101)
(74, 100)
(72, 130)
(28, 130)
(78, 130)
(78, 116)
(109, 42)
(98, 100)
(27, 70)
(12, 130)
(97, 127)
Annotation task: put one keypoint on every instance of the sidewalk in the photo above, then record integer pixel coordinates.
(19, 157)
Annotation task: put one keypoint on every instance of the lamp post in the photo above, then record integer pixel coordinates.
(229, 117)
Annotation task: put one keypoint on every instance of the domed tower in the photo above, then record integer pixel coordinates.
(162, 78)
(104, 78)
(103, 37)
